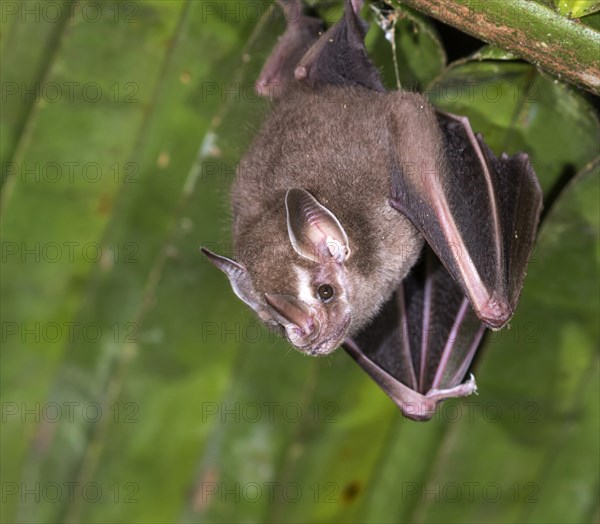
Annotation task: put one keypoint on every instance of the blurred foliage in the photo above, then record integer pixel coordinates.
(135, 386)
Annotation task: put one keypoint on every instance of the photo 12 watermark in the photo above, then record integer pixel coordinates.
(72, 172)
(69, 332)
(255, 492)
(471, 411)
(469, 492)
(268, 412)
(54, 11)
(69, 412)
(70, 492)
(69, 92)
(70, 252)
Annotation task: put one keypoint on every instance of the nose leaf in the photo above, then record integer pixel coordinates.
(298, 319)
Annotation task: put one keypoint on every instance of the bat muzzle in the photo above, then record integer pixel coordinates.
(310, 330)
(301, 323)
(329, 343)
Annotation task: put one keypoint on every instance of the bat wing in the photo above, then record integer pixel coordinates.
(479, 214)
(419, 348)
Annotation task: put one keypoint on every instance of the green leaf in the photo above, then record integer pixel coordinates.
(419, 55)
(592, 21)
(134, 216)
(490, 52)
(577, 8)
(26, 56)
(56, 205)
(517, 108)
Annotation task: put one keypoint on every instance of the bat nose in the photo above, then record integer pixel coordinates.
(308, 330)
(304, 327)
(303, 338)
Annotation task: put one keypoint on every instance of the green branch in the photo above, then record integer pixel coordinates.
(565, 48)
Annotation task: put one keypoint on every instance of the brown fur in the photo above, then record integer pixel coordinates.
(335, 143)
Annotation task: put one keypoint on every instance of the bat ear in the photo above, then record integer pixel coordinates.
(314, 231)
(238, 278)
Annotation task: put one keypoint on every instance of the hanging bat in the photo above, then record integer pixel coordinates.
(335, 200)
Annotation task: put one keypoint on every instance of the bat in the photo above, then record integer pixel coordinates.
(370, 220)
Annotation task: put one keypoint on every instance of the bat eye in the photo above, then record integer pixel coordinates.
(325, 293)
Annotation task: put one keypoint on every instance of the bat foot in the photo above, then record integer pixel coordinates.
(426, 407)
(462, 390)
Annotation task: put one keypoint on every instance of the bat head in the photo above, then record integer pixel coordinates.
(305, 292)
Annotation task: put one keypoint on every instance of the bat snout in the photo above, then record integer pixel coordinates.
(329, 341)
(311, 329)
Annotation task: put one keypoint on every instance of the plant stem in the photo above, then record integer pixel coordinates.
(565, 48)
